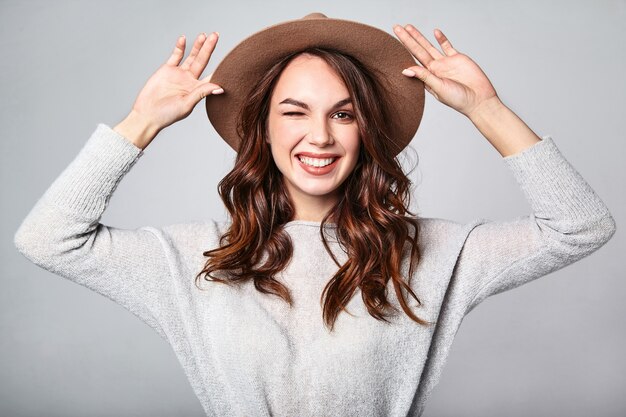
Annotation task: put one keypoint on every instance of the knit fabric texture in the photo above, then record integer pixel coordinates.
(249, 354)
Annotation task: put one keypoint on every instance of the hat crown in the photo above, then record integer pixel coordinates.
(315, 16)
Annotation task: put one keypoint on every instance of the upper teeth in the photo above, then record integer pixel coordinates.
(316, 162)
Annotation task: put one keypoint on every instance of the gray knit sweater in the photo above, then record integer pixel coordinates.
(248, 354)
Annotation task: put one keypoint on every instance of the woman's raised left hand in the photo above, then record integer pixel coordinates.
(450, 76)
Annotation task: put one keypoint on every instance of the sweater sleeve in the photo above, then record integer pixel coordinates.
(63, 235)
(568, 222)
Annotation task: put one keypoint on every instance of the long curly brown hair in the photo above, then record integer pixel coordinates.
(371, 216)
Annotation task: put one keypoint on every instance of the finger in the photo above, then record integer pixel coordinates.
(445, 43)
(418, 51)
(201, 61)
(194, 51)
(179, 51)
(425, 43)
(431, 82)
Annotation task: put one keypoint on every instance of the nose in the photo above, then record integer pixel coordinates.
(320, 134)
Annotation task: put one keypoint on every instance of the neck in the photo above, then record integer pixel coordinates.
(312, 208)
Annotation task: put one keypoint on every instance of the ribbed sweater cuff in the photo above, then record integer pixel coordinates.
(552, 185)
(84, 188)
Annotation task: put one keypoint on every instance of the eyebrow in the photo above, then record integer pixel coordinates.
(306, 106)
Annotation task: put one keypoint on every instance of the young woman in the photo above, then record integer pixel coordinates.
(322, 294)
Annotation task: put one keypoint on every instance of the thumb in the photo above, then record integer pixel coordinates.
(432, 83)
(201, 91)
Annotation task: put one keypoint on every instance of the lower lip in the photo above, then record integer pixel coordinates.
(317, 170)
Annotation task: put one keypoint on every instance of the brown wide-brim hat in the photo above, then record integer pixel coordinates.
(384, 55)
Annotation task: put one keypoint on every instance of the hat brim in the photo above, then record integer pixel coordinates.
(377, 50)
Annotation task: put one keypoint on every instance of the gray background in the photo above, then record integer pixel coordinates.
(552, 347)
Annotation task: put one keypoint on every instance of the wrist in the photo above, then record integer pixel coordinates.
(486, 111)
(137, 129)
(502, 127)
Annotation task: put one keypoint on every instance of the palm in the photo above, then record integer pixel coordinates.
(451, 77)
(166, 90)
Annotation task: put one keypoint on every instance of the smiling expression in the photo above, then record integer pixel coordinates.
(312, 131)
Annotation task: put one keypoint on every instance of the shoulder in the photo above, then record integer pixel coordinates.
(198, 235)
(184, 243)
(431, 227)
(440, 233)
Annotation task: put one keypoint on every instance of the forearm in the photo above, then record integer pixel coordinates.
(503, 128)
(137, 130)
(69, 211)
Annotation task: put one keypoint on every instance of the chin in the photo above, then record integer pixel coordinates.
(317, 190)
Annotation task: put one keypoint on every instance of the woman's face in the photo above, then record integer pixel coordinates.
(312, 132)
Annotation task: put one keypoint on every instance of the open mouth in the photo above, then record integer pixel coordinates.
(316, 162)
(317, 165)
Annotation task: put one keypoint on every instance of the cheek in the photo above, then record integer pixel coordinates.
(285, 135)
(353, 144)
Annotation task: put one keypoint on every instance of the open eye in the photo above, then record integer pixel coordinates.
(346, 115)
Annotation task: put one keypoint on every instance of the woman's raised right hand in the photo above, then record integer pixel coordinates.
(172, 92)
